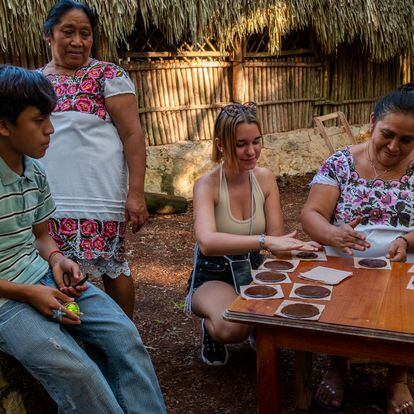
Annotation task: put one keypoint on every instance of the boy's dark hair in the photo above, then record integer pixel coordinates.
(21, 88)
(60, 9)
(399, 101)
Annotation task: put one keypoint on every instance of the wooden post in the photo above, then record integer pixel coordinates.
(238, 85)
(303, 380)
(406, 67)
(325, 83)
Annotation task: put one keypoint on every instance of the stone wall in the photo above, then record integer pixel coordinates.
(173, 168)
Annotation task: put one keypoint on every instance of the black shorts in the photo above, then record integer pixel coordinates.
(218, 268)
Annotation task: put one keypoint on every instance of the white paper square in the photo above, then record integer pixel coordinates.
(295, 264)
(289, 302)
(296, 285)
(410, 285)
(278, 294)
(325, 275)
(321, 256)
(358, 266)
(411, 269)
(260, 282)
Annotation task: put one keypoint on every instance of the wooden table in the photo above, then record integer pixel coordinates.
(370, 315)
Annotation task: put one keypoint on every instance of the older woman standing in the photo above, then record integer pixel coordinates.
(361, 203)
(96, 160)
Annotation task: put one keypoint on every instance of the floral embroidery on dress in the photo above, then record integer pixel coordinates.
(89, 239)
(376, 201)
(84, 92)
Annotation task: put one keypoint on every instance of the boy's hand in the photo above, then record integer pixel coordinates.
(48, 301)
(65, 265)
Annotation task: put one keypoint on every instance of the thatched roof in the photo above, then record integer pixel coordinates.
(21, 24)
(384, 27)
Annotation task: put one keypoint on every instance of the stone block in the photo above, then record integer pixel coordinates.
(174, 168)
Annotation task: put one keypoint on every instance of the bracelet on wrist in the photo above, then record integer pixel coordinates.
(262, 241)
(53, 253)
(402, 237)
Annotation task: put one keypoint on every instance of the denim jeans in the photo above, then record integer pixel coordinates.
(111, 374)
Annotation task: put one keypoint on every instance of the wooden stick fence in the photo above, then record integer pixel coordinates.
(178, 99)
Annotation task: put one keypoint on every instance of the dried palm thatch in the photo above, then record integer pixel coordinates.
(21, 24)
(384, 27)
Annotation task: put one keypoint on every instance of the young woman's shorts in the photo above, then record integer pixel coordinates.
(218, 268)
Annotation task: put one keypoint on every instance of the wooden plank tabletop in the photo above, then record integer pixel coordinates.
(371, 303)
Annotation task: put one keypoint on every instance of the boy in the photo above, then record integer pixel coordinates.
(35, 327)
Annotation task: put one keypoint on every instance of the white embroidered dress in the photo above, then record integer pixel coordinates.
(386, 207)
(86, 166)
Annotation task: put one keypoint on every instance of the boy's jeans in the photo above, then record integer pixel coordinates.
(112, 375)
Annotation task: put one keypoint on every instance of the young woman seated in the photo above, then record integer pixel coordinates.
(237, 213)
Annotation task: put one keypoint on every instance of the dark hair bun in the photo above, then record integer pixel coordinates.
(407, 87)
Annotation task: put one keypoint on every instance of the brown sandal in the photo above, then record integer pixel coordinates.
(399, 408)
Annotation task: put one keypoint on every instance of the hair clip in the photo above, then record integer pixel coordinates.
(238, 108)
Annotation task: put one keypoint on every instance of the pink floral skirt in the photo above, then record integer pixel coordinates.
(93, 243)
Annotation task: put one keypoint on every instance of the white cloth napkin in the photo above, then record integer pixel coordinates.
(325, 275)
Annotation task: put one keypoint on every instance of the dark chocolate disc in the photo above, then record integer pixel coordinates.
(372, 263)
(316, 292)
(260, 291)
(270, 277)
(307, 255)
(300, 310)
(278, 265)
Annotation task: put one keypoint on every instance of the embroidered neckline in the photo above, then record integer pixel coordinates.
(57, 75)
(346, 151)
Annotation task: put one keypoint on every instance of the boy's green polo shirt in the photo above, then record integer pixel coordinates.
(24, 201)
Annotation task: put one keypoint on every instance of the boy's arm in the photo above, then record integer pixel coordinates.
(45, 299)
(58, 262)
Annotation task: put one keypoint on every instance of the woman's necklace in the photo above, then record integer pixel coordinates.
(378, 172)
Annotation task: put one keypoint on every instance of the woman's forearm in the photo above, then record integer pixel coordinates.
(134, 150)
(219, 244)
(410, 240)
(317, 227)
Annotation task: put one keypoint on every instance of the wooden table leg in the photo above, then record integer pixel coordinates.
(303, 380)
(268, 379)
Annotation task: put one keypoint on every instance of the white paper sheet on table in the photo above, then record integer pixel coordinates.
(296, 285)
(325, 275)
(411, 269)
(295, 264)
(291, 302)
(410, 285)
(278, 294)
(321, 256)
(260, 282)
(358, 266)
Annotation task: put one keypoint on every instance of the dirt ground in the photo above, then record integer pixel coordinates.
(161, 259)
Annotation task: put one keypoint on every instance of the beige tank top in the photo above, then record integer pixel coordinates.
(226, 223)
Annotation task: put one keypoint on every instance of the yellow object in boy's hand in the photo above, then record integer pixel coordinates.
(73, 307)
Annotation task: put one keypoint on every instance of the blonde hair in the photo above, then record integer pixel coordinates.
(225, 127)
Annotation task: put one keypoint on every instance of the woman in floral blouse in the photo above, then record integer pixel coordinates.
(361, 203)
(96, 160)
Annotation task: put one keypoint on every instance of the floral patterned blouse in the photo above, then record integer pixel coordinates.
(386, 207)
(85, 163)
